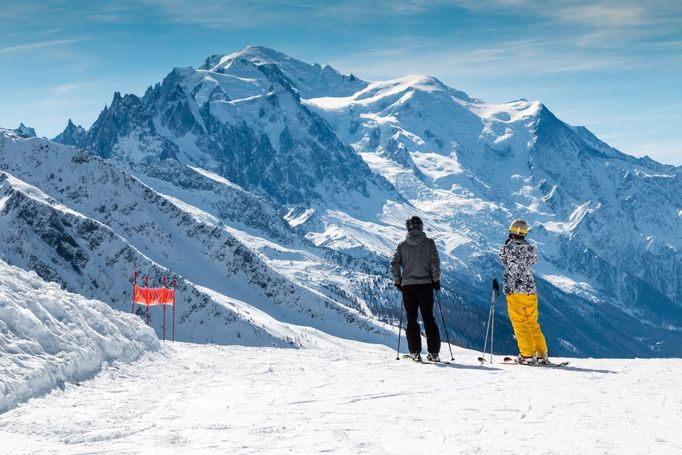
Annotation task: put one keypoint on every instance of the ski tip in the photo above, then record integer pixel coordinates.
(507, 359)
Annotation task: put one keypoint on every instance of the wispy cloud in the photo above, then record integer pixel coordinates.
(57, 95)
(661, 112)
(601, 15)
(617, 13)
(532, 56)
(63, 89)
(107, 18)
(17, 11)
(38, 45)
(38, 14)
(591, 22)
(240, 14)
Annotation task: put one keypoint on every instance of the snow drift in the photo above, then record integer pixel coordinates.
(49, 336)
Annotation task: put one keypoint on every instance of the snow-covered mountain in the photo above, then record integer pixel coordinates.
(25, 131)
(77, 220)
(72, 134)
(608, 224)
(244, 121)
(345, 161)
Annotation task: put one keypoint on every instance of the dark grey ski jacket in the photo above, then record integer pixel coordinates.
(518, 258)
(417, 255)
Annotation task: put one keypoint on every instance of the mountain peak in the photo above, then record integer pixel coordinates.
(25, 131)
(427, 83)
(258, 55)
(311, 80)
(72, 135)
(421, 79)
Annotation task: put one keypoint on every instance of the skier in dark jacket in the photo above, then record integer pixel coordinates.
(518, 257)
(417, 256)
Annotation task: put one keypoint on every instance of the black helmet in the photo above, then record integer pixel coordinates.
(414, 223)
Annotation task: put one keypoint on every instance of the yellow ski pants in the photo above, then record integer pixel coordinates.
(523, 312)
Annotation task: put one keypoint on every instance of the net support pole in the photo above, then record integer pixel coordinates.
(146, 285)
(164, 309)
(132, 308)
(173, 310)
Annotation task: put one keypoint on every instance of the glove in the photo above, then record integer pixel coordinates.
(496, 286)
(436, 285)
(398, 286)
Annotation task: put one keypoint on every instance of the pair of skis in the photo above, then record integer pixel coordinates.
(512, 361)
(489, 330)
(426, 361)
(505, 361)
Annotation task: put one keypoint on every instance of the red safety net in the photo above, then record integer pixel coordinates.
(153, 296)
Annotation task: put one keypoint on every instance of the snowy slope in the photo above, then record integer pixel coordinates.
(49, 337)
(89, 226)
(87, 257)
(357, 399)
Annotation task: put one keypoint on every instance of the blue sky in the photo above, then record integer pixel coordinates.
(613, 66)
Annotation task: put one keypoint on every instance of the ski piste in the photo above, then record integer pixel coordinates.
(512, 361)
(423, 360)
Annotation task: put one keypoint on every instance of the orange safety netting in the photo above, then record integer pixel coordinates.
(153, 296)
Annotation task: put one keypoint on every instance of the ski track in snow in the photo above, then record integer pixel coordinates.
(238, 400)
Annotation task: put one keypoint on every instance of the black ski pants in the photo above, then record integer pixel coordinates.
(420, 297)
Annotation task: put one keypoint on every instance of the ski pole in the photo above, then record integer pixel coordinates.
(447, 336)
(496, 290)
(492, 329)
(400, 327)
(490, 325)
(487, 332)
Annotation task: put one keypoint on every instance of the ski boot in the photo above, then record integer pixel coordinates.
(433, 357)
(527, 360)
(542, 360)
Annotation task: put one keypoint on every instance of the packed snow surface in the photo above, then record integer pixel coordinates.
(353, 399)
(49, 337)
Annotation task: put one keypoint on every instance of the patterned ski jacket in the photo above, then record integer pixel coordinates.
(417, 256)
(518, 258)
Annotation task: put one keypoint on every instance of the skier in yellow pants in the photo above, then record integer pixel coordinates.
(518, 257)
